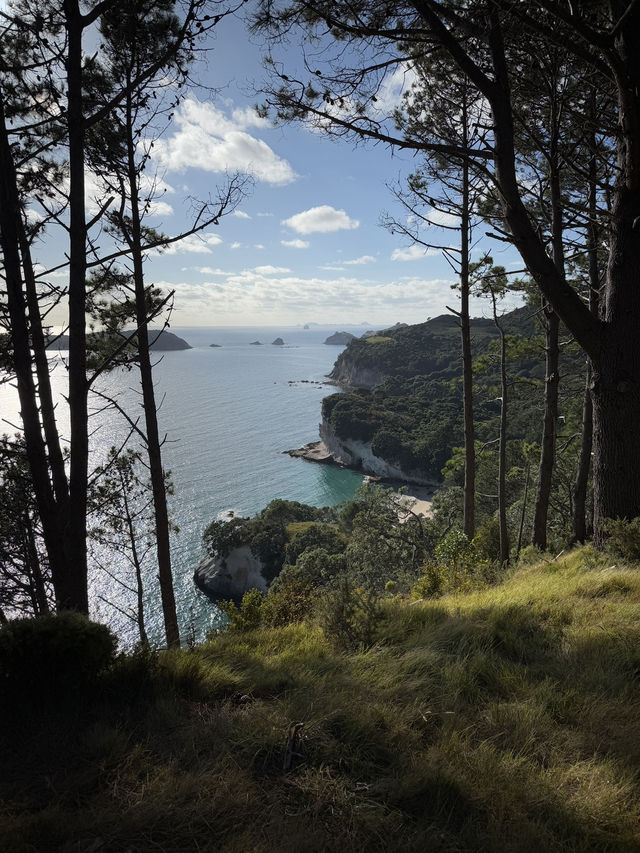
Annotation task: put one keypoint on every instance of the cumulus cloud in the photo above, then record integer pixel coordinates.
(241, 214)
(440, 217)
(255, 295)
(364, 259)
(208, 139)
(413, 253)
(199, 243)
(323, 218)
(296, 244)
(269, 270)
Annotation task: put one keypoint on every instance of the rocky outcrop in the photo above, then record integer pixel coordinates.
(256, 343)
(339, 339)
(230, 576)
(277, 343)
(354, 374)
(353, 453)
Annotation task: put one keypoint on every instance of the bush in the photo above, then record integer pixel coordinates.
(349, 616)
(313, 535)
(623, 538)
(54, 653)
(247, 616)
(292, 600)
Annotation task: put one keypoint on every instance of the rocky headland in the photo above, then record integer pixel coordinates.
(340, 339)
(159, 340)
(230, 576)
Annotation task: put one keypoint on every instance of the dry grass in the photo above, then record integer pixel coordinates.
(500, 720)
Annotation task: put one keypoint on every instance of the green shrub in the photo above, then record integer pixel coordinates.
(54, 652)
(487, 539)
(311, 536)
(623, 538)
(349, 616)
(247, 616)
(292, 600)
(431, 582)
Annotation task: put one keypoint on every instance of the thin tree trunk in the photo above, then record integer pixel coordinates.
(548, 448)
(552, 349)
(45, 395)
(524, 509)
(465, 330)
(148, 396)
(22, 364)
(502, 451)
(144, 640)
(76, 596)
(593, 237)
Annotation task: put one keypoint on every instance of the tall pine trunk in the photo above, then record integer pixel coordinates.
(163, 548)
(593, 239)
(10, 218)
(465, 331)
(76, 595)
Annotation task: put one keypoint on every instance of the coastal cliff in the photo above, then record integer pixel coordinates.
(354, 453)
(232, 575)
(400, 413)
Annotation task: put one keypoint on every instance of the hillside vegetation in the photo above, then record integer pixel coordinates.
(501, 719)
(404, 389)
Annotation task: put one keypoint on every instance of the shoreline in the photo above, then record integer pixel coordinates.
(318, 452)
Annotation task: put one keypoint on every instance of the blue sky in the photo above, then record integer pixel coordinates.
(305, 245)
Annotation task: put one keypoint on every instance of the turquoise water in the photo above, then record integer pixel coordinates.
(228, 413)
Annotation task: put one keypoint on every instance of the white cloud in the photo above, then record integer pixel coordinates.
(259, 297)
(390, 93)
(364, 259)
(265, 214)
(236, 245)
(207, 139)
(241, 214)
(413, 253)
(199, 243)
(269, 270)
(332, 268)
(296, 244)
(323, 218)
(258, 246)
(440, 217)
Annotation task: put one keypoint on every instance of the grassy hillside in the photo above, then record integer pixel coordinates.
(502, 719)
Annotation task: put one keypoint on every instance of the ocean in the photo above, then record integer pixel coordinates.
(229, 413)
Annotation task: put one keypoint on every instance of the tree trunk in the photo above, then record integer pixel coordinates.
(148, 396)
(502, 451)
(465, 331)
(586, 444)
(22, 364)
(548, 443)
(615, 386)
(76, 593)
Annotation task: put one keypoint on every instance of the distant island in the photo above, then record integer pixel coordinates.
(277, 343)
(255, 344)
(160, 341)
(340, 338)
(215, 345)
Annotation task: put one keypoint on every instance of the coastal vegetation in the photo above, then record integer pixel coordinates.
(500, 718)
(467, 681)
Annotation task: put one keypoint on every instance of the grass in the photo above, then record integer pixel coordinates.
(504, 719)
(377, 339)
